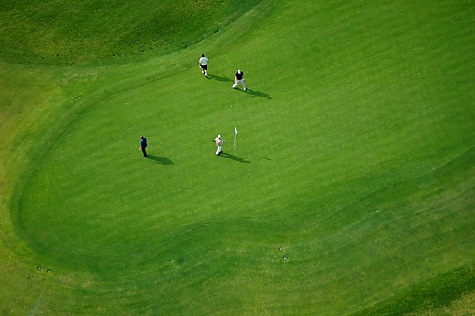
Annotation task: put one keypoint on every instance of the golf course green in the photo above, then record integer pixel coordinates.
(349, 188)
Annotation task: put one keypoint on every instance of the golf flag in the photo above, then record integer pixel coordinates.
(235, 134)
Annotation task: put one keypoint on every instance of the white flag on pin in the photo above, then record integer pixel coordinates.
(235, 130)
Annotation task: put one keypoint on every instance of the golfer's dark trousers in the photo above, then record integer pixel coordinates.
(144, 152)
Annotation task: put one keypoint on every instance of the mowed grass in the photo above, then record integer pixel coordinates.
(351, 189)
(92, 32)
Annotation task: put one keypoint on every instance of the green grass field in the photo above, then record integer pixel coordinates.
(351, 191)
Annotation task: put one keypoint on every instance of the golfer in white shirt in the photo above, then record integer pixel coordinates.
(219, 144)
(204, 65)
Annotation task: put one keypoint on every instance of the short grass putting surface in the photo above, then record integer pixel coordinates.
(351, 189)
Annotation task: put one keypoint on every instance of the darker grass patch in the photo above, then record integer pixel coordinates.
(89, 32)
(434, 293)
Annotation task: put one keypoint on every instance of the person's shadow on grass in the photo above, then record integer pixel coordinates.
(160, 160)
(255, 93)
(232, 157)
(222, 78)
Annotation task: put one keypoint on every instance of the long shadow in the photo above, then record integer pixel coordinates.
(222, 78)
(161, 160)
(238, 159)
(255, 93)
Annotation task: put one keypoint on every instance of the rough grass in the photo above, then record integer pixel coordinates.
(432, 294)
(92, 32)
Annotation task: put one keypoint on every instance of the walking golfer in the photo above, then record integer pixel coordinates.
(219, 144)
(204, 65)
(143, 145)
(239, 78)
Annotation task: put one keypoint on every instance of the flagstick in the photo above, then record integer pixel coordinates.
(235, 135)
(235, 141)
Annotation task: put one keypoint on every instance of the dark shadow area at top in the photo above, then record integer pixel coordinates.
(220, 78)
(256, 93)
(161, 160)
(238, 159)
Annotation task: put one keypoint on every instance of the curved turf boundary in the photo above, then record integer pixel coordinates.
(378, 201)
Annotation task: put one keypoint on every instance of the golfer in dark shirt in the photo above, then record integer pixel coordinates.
(143, 145)
(239, 78)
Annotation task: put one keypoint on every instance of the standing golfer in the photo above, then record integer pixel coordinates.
(239, 78)
(143, 145)
(219, 144)
(204, 65)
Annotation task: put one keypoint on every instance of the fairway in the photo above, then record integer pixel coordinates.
(350, 190)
